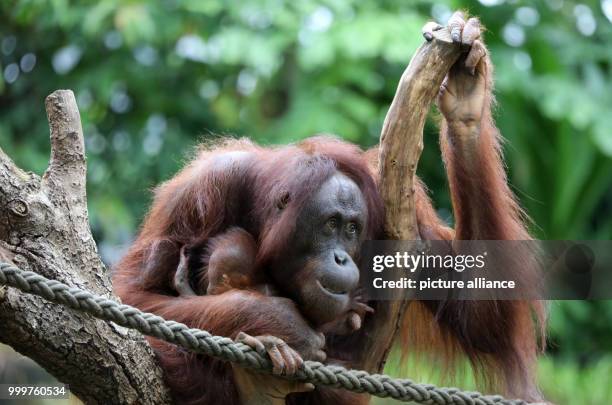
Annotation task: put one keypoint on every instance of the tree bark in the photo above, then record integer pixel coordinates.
(44, 227)
(401, 144)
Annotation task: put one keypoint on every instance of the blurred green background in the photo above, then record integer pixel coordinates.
(154, 79)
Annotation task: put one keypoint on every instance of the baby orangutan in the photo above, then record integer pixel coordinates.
(229, 262)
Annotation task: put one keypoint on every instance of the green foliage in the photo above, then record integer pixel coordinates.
(153, 79)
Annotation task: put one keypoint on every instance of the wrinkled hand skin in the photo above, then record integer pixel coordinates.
(262, 389)
(357, 312)
(353, 319)
(463, 94)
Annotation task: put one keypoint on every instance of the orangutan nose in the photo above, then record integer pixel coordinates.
(342, 276)
(340, 257)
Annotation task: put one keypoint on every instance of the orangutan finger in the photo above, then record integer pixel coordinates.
(302, 387)
(181, 277)
(288, 387)
(429, 28)
(354, 321)
(296, 356)
(289, 358)
(319, 356)
(320, 340)
(455, 25)
(365, 308)
(299, 361)
(477, 52)
(252, 342)
(278, 362)
(443, 87)
(471, 31)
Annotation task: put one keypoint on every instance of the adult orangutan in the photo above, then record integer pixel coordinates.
(293, 219)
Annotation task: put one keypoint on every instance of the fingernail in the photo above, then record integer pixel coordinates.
(428, 36)
(355, 321)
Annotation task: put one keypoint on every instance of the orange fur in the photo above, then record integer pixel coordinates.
(237, 183)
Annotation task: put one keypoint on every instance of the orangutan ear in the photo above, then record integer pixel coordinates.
(283, 201)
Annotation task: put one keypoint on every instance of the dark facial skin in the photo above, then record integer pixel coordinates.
(318, 270)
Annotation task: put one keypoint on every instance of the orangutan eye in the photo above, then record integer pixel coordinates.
(351, 228)
(332, 223)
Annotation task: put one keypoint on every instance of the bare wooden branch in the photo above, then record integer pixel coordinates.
(67, 142)
(401, 144)
(66, 175)
(44, 228)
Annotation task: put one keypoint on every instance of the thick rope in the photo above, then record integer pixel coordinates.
(223, 348)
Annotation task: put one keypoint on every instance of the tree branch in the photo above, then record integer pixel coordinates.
(44, 228)
(401, 144)
(67, 143)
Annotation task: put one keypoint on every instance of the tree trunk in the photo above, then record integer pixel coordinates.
(44, 228)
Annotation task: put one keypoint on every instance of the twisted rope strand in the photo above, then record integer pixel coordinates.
(224, 348)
